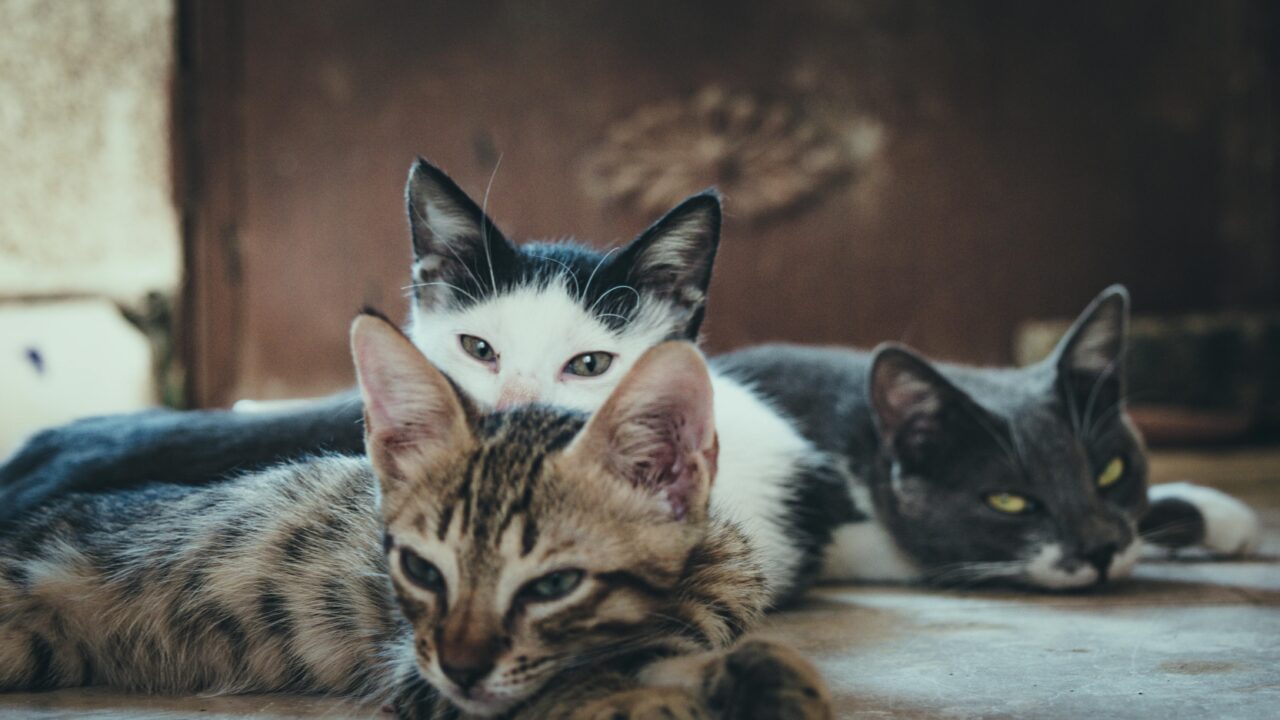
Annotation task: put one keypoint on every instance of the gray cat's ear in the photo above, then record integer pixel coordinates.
(456, 246)
(1090, 356)
(917, 410)
(657, 431)
(1095, 344)
(414, 417)
(672, 260)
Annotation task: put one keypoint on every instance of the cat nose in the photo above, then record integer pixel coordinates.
(466, 676)
(1100, 559)
(518, 391)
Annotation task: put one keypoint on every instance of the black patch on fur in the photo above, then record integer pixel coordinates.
(42, 674)
(1172, 523)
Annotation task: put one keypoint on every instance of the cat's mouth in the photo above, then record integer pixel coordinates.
(479, 702)
(1048, 569)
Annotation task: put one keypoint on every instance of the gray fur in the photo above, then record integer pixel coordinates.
(929, 441)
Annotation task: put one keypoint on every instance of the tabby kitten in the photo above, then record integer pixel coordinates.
(1033, 475)
(527, 563)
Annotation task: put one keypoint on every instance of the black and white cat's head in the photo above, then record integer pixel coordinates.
(559, 323)
(1041, 482)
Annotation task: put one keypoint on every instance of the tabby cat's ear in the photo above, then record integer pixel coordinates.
(456, 246)
(672, 260)
(657, 431)
(1090, 357)
(414, 417)
(919, 413)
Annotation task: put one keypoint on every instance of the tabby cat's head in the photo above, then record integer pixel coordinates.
(1034, 475)
(557, 323)
(524, 543)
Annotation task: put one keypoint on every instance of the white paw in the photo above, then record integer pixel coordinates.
(1230, 526)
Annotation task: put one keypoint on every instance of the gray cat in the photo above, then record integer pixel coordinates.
(1031, 475)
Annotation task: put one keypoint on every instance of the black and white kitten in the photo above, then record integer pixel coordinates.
(1033, 475)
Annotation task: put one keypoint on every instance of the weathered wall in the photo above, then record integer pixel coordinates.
(86, 202)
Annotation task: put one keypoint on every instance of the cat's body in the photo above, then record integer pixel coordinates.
(521, 563)
(1029, 475)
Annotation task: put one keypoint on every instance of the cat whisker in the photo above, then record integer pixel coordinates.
(565, 274)
(587, 288)
(449, 285)
(484, 225)
(973, 573)
(1107, 372)
(419, 218)
(606, 294)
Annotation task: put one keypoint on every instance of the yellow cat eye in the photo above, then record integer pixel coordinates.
(1112, 473)
(1008, 503)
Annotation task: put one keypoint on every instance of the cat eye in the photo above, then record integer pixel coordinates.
(1112, 473)
(590, 364)
(478, 348)
(552, 586)
(1010, 503)
(422, 573)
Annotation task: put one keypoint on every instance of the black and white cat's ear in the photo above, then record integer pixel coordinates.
(657, 431)
(916, 408)
(1090, 356)
(414, 416)
(455, 244)
(673, 259)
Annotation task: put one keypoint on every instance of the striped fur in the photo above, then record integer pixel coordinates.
(291, 579)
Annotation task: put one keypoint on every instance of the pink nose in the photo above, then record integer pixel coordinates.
(517, 392)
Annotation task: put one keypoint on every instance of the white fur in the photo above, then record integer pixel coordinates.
(1122, 564)
(759, 452)
(1230, 526)
(1044, 570)
(535, 332)
(865, 551)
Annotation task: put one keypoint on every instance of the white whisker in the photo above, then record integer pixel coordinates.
(592, 276)
(484, 225)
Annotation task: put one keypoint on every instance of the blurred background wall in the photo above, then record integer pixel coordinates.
(88, 224)
(940, 173)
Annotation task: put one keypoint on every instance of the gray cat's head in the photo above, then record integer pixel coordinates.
(1031, 475)
(558, 323)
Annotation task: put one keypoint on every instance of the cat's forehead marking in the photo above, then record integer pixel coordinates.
(504, 482)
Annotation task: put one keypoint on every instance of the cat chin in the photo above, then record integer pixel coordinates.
(483, 705)
(1043, 570)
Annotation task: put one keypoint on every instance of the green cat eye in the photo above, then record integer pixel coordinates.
(478, 348)
(1112, 473)
(552, 586)
(1009, 503)
(590, 364)
(420, 572)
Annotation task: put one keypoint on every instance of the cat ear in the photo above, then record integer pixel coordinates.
(657, 431)
(917, 411)
(1090, 357)
(672, 260)
(454, 242)
(414, 417)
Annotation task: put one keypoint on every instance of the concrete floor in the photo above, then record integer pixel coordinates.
(1183, 638)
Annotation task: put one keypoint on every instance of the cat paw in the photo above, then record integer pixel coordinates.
(1227, 526)
(645, 704)
(760, 680)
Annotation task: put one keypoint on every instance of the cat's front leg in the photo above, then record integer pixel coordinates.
(648, 703)
(755, 680)
(1184, 514)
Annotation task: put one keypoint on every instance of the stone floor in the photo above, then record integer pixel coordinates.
(1184, 638)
